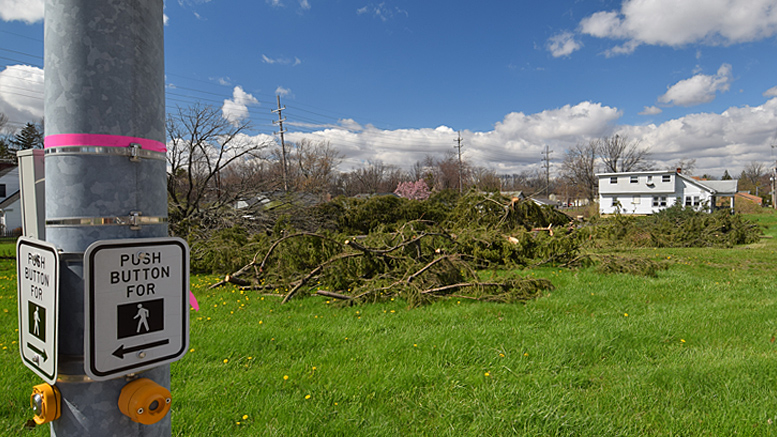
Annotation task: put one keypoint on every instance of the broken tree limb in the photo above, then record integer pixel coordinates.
(461, 285)
(425, 268)
(333, 295)
(316, 271)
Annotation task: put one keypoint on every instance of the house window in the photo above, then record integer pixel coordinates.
(614, 180)
(687, 200)
(666, 178)
(659, 201)
(636, 200)
(696, 201)
(663, 201)
(615, 201)
(634, 179)
(2, 190)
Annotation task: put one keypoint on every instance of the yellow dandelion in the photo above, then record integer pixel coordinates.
(625, 314)
(245, 416)
(488, 374)
(682, 341)
(285, 377)
(226, 361)
(191, 350)
(307, 396)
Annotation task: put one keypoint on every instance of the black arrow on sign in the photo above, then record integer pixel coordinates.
(121, 351)
(38, 351)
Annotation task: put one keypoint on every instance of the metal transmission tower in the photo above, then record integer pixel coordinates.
(283, 144)
(546, 165)
(461, 165)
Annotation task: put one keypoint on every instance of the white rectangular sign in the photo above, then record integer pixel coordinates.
(136, 305)
(37, 265)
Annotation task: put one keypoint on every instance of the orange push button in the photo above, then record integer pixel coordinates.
(144, 401)
(44, 401)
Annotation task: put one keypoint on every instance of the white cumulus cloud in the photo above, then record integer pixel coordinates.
(678, 23)
(513, 145)
(699, 89)
(281, 91)
(21, 93)
(28, 11)
(771, 92)
(651, 110)
(563, 44)
(235, 110)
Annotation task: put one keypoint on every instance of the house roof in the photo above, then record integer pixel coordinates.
(750, 197)
(8, 201)
(646, 172)
(716, 187)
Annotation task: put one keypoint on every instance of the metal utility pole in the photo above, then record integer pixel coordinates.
(105, 172)
(546, 165)
(283, 144)
(461, 164)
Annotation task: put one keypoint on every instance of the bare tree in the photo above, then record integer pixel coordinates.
(579, 168)
(208, 160)
(618, 154)
(753, 178)
(486, 179)
(445, 171)
(314, 166)
(687, 166)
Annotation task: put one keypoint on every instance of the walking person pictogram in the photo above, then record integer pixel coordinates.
(143, 316)
(36, 317)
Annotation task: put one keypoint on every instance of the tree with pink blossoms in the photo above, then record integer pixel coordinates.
(417, 190)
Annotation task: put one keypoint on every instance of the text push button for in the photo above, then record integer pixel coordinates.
(136, 306)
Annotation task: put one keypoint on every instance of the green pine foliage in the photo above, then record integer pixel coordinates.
(677, 227)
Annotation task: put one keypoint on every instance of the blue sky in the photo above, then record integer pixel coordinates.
(395, 80)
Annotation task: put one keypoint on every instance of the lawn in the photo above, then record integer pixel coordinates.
(690, 352)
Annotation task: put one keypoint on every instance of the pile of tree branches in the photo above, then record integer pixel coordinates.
(409, 256)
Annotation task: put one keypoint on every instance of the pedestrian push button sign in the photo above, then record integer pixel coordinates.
(136, 306)
(37, 264)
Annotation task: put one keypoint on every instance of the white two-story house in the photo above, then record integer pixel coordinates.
(647, 192)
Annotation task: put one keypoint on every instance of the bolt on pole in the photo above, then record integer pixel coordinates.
(105, 173)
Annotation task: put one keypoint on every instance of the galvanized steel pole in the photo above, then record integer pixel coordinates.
(105, 174)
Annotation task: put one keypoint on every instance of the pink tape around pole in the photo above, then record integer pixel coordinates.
(99, 140)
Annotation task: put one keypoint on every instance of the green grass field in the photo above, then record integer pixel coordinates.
(691, 352)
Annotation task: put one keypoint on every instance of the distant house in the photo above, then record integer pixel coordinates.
(647, 192)
(10, 206)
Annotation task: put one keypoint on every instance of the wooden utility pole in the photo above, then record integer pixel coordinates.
(283, 144)
(461, 165)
